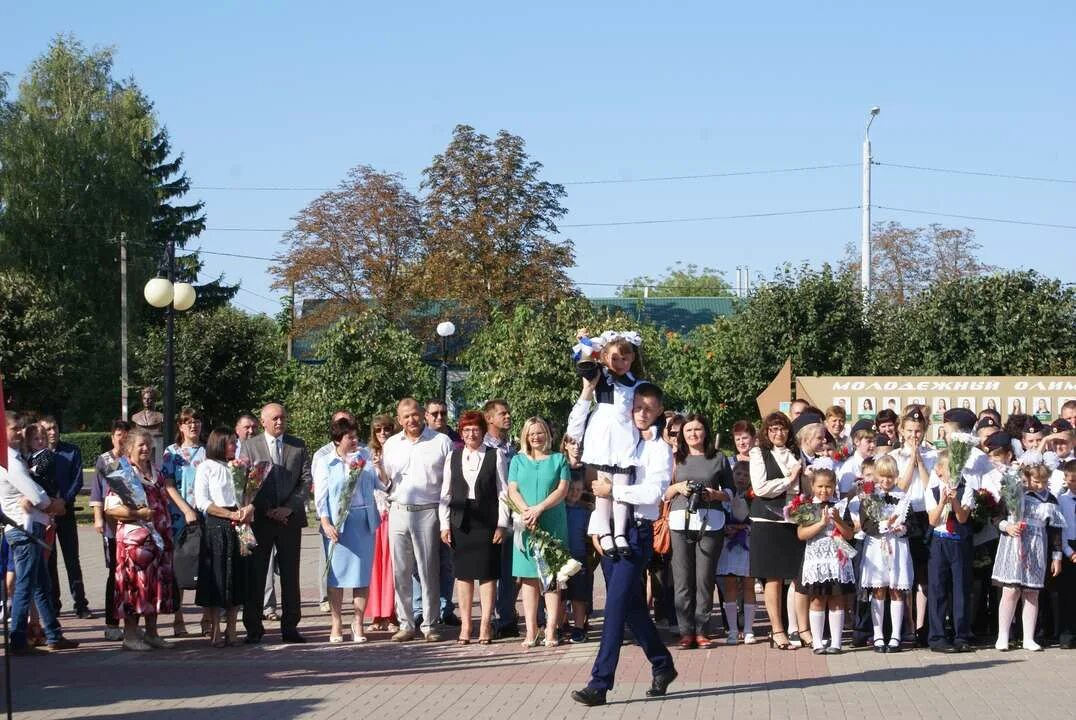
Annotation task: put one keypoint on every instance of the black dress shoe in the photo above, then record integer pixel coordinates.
(661, 682)
(84, 614)
(963, 647)
(451, 619)
(253, 639)
(418, 620)
(943, 648)
(292, 638)
(508, 631)
(589, 696)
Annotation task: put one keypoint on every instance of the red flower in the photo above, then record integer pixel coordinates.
(358, 464)
(750, 495)
(868, 487)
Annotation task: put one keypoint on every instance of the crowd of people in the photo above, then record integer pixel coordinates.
(868, 526)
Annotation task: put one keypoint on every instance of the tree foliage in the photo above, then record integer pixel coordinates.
(367, 365)
(356, 245)
(40, 344)
(490, 224)
(226, 362)
(907, 261)
(679, 280)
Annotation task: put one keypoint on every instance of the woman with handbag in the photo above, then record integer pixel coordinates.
(222, 573)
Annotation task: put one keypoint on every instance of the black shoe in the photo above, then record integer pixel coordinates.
(963, 647)
(253, 639)
(292, 638)
(880, 646)
(508, 631)
(921, 638)
(84, 614)
(590, 696)
(450, 619)
(418, 620)
(943, 648)
(661, 682)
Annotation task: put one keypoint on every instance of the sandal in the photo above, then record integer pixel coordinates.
(463, 641)
(179, 629)
(207, 627)
(484, 641)
(219, 641)
(529, 643)
(806, 637)
(271, 616)
(779, 646)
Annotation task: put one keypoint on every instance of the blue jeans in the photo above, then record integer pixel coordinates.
(31, 582)
(447, 584)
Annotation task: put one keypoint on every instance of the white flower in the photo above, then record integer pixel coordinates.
(568, 569)
(963, 437)
(1031, 457)
(1051, 460)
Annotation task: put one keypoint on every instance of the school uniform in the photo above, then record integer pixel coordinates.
(949, 570)
(1067, 586)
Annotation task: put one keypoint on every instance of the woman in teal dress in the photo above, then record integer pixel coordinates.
(537, 484)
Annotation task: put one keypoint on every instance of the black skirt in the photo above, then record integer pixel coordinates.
(474, 556)
(776, 552)
(222, 572)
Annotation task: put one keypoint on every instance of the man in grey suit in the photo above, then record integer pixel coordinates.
(279, 518)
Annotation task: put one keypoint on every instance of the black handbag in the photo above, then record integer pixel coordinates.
(185, 559)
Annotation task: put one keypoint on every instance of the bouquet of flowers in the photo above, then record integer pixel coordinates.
(960, 446)
(247, 480)
(343, 502)
(840, 454)
(985, 509)
(1012, 495)
(802, 511)
(555, 565)
(128, 488)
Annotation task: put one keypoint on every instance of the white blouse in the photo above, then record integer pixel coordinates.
(213, 484)
(764, 488)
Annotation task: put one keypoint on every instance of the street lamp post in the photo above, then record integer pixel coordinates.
(168, 294)
(445, 330)
(865, 230)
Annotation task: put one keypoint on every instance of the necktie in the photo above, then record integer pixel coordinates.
(276, 451)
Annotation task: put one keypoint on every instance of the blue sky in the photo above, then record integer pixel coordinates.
(294, 94)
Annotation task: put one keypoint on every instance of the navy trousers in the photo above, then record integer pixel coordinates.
(625, 604)
(949, 577)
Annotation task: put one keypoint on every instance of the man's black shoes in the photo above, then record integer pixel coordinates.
(590, 696)
(661, 682)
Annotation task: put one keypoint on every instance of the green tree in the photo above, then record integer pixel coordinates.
(524, 357)
(679, 280)
(40, 344)
(1014, 323)
(491, 223)
(366, 365)
(226, 362)
(813, 316)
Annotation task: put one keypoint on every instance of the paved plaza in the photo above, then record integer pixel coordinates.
(415, 680)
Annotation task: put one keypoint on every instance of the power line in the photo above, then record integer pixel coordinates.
(1009, 221)
(710, 218)
(980, 173)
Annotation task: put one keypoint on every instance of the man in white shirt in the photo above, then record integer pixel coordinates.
(413, 465)
(625, 604)
(27, 505)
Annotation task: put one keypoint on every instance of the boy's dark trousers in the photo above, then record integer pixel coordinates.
(1067, 605)
(949, 578)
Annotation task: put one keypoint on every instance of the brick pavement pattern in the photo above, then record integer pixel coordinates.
(385, 680)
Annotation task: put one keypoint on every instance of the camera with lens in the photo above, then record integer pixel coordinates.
(695, 491)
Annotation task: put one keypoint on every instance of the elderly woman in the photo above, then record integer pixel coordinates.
(696, 520)
(348, 536)
(538, 484)
(776, 552)
(381, 600)
(222, 570)
(474, 518)
(143, 574)
(744, 437)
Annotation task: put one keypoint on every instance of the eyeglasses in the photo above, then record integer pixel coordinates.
(674, 433)
(382, 430)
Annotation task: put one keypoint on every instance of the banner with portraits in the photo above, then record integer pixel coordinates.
(864, 397)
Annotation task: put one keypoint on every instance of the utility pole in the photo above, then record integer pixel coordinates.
(865, 204)
(124, 408)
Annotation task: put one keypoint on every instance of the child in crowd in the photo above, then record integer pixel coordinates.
(949, 565)
(886, 565)
(915, 461)
(581, 585)
(1067, 503)
(827, 574)
(1030, 535)
(734, 563)
(850, 471)
(609, 441)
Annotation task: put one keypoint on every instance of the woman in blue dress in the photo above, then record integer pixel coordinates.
(179, 467)
(348, 539)
(538, 484)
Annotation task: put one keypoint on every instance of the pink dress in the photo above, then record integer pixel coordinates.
(381, 602)
(143, 573)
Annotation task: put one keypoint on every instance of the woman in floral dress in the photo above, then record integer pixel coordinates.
(143, 574)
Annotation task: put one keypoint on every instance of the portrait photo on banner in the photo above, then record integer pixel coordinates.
(1041, 407)
(866, 410)
(941, 406)
(1016, 405)
(966, 402)
(992, 402)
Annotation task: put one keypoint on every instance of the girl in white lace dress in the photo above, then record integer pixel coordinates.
(1026, 542)
(827, 574)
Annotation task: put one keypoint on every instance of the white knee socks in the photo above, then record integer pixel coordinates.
(749, 618)
(836, 627)
(896, 617)
(1030, 614)
(818, 626)
(1006, 611)
(878, 617)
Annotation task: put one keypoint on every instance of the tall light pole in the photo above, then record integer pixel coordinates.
(167, 293)
(865, 250)
(445, 330)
